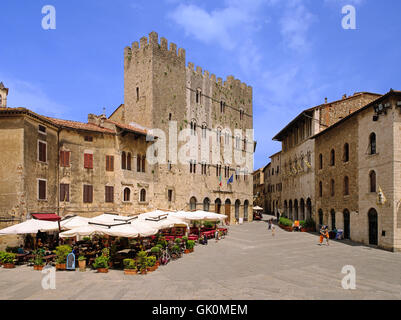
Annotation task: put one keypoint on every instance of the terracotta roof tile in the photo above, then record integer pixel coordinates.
(79, 125)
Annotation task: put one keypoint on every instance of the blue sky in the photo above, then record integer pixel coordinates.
(294, 53)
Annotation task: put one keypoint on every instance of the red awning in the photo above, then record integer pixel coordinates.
(46, 216)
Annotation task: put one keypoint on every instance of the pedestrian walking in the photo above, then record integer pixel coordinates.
(322, 235)
(327, 236)
(269, 223)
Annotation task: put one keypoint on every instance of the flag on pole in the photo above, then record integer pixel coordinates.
(231, 180)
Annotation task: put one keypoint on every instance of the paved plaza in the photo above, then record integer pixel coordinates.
(248, 264)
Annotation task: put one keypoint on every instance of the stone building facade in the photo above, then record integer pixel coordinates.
(162, 92)
(274, 185)
(258, 187)
(370, 214)
(298, 152)
(109, 164)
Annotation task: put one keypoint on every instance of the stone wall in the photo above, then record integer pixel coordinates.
(335, 139)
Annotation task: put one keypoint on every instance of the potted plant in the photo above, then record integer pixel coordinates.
(130, 267)
(82, 263)
(190, 245)
(101, 264)
(62, 252)
(38, 262)
(155, 251)
(142, 262)
(8, 260)
(151, 263)
(286, 224)
(2, 253)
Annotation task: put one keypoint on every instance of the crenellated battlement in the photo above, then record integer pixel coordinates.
(152, 42)
(230, 81)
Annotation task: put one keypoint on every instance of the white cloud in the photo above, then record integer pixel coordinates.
(219, 25)
(295, 24)
(27, 95)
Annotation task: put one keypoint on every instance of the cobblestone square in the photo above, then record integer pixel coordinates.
(248, 264)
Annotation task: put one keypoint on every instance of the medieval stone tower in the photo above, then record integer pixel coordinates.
(160, 89)
(3, 95)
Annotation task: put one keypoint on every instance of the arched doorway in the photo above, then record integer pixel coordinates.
(290, 209)
(333, 219)
(246, 204)
(308, 208)
(227, 210)
(285, 208)
(347, 224)
(217, 205)
(192, 204)
(206, 204)
(373, 227)
(302, 211)
(277, 212)
(296, 209)
(237, 205)
(320, 218)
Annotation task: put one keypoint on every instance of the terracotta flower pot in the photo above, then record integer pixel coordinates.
(143, 271)
(191, 250)
(38, 268)
(102, 270)
(130, 271)
(8, 265)
(82, 265)
(61, 266)
(186, 251)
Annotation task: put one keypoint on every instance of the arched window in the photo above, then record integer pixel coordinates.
(217, 205)
(237, 206)
(143, 163)
(372, 181)
(320, 217)
(333, 219)
(332, 158)
(246, 204)
(204, 131)
(206, 204)
(346, 186)
(332, 186)
(320, 161)
(320, 189)
(193, 127)
(372, 143)
(192, 204)
(129, 161)
(222, 106)
(138, 162)
(346, 152)
(198, 95)
(142, 197)
(123, 161)
(127, 194)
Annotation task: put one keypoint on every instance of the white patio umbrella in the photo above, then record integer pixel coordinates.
(199, 215)
(30, 226)
(73, 222)
(257, 208)
(83, 231)
(133, 229)
(161, 220)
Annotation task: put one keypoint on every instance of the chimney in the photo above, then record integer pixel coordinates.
(325, 100)
(344, 96)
